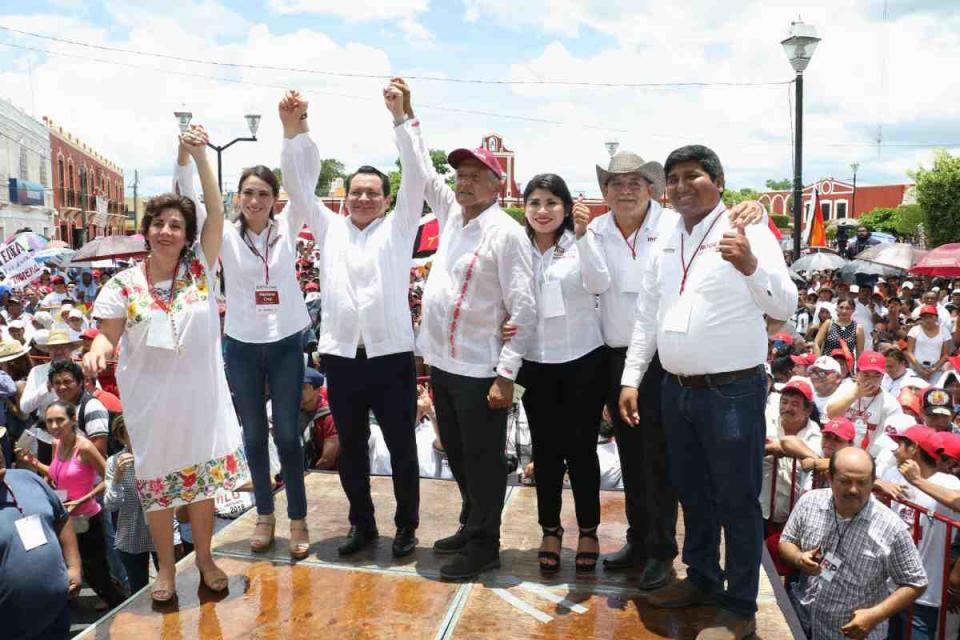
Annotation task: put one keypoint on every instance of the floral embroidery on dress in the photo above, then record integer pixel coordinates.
(194, 482)
(192, 288)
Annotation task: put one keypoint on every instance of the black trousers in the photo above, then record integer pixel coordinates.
(386, 385)
(93, 562)
(475, 439)
(651, 502)
(564, 403)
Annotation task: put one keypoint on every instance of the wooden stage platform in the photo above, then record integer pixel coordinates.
(374, 596)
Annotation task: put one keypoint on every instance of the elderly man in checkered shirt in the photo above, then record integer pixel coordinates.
(848, 545)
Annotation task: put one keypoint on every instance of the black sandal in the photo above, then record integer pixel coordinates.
(550, 560)
(590, 556)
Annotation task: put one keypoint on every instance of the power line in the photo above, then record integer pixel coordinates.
(357, 75)
(321, 92)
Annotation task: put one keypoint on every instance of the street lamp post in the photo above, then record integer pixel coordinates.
(253, 123)
(799, 47)
(612, 147)
(853, 204)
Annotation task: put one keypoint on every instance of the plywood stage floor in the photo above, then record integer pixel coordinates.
(373, 596)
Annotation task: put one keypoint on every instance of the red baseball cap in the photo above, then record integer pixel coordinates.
(90, 333)
(949, 444)
(955, 361)
(929, 309)
(480, 154)
(842, 428)
(846, 356)
(800, 387)
(804, 359)
(910, 398)
(96, 273)
(923, 437)
(311, 286)
(109, 401)
(782, 337)
(872, 361)
(57, 280)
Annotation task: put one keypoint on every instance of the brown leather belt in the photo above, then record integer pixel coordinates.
(709, 380)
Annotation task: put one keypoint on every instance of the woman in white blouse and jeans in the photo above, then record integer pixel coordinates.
(263, 343)
(563, 373)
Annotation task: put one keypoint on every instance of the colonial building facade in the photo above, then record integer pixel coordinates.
(26, 198)
(80, 174)
(838, 199)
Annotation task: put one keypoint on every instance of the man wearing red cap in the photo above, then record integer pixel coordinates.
(482, 274)
(922, 446)
(835, 435)
(864, 403)
(56, 297)
(793, 420)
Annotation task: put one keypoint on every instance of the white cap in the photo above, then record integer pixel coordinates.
(826, 363)
(880, 280)
(908, 285)
(44, 318)
(935, 289)
(75, 313)
(16, 324)
(854, 289)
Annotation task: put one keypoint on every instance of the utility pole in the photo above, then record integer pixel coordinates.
(134, 186)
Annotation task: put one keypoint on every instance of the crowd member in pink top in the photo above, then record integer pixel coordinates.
(76, 471)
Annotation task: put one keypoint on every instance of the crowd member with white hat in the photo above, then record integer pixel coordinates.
(37, 394)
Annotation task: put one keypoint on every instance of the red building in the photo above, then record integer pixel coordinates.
(837, 199)
(80, 174)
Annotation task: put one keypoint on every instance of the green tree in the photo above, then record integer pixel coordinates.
(439, 159)
(881, 219)
(779, 185)
(330, 170)
(938, 194)
(732, 197)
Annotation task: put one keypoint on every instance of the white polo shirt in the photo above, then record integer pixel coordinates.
(612, 264)
(364, 273)
(244, 271)
(568, 321)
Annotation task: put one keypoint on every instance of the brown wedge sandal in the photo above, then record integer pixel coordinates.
(262, 538)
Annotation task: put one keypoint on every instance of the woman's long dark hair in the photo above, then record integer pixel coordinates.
(555, 185)
(267, 175)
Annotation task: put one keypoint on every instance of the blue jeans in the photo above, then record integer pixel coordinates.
(137, 566)
(117, 569)
(250, 369)
(715, 439)
(924, 627)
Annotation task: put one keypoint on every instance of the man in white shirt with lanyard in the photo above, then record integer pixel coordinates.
(614, 251)
(482, 274)
(366, 335)
(701, 306)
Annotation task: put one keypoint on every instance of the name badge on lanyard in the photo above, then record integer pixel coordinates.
(160, 332)
(829, 566)
(266, 299)
(551, 299)
(30, 530)
(677, 318)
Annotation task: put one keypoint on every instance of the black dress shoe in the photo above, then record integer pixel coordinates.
(404, 542)
(470, 564)
(451, 544)
(656, 573)
(358, 538)
(628, 557)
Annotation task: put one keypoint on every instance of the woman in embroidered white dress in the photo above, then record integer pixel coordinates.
(163, 317)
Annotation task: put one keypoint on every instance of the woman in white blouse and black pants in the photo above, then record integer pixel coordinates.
(563, 373)
(263, 341)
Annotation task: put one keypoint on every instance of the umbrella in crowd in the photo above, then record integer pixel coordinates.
(942, 261)
(58, 256)
(867, 270)
(57, 244)
(110, 247)
(819, 261)
(898, 254)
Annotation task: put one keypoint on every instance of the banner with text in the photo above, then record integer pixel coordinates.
(100, 218)
(18, 264)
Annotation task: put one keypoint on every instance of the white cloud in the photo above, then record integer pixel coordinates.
(401, 12)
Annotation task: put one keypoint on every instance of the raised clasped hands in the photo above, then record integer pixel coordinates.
(194, 141)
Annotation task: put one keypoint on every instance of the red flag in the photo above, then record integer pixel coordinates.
(818, 232)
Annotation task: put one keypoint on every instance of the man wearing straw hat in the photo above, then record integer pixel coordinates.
(37, 394)
(615, 248)
(9, 350)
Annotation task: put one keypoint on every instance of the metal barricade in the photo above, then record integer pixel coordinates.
(951, 526)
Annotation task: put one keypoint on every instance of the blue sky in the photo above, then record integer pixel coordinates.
(869, 76)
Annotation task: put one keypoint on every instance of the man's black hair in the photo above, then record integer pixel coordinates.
(704, 156)
(65, 366)
(373, 171)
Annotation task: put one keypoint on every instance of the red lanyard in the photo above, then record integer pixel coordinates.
(686, 265)
(14, 496)
(631, 247)
(265, 259)
(166, 305)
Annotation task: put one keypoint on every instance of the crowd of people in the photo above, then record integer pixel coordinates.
(664, 350)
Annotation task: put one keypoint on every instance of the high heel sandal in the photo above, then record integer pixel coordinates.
(301, 548)
(260, 542)
(163, 592)
(590, 557)
(550, 560)
(215, 580)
